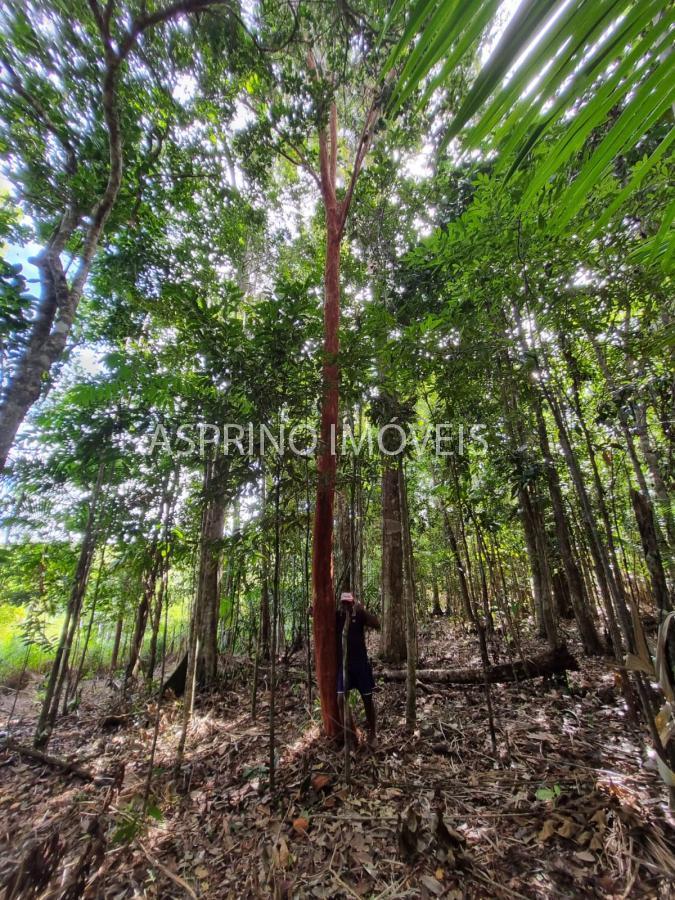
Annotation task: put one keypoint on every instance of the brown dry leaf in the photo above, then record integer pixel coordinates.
(568, 829)
(409, 839)
(366, 860)
(439, 873)
(600, 819)
(547, 831)
(446, 834)
(362, 887)
(319, 782)
(281, 856)
(391, 793)
(585, 856)
(301, 824)
(432, 884)
(596, 843)
(201, 872)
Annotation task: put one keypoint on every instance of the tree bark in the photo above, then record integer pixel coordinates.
(410, 604)
(156, 615)
(116, 642)
(325, 640)
(580, 604)
(275, 618)
(461, 575)
(612, 601)
(207, 610)
(59, 667)
(541, 576)
(393, 640)
(437, 611)
(336, 211)
(142, 612)
(71, 687)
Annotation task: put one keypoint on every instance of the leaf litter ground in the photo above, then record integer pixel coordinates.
(569, 806)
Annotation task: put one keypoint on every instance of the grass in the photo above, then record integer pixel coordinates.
(13, 648)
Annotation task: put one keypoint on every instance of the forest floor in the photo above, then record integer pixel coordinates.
(567, 807)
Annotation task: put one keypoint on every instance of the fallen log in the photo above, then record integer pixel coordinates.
(553, 662)
(56, 762)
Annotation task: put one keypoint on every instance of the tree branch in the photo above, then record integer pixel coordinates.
(361, 151)
(40, 113)
(325, 165)
(333, 143)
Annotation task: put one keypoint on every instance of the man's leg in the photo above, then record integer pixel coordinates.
(369, 706)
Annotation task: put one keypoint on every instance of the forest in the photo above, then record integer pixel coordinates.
(337, 549)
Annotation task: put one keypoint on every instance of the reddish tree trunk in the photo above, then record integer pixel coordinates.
(325, 641)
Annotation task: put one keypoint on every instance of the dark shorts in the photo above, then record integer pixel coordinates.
(360, 679)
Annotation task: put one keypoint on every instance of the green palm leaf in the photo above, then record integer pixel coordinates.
(560, 70)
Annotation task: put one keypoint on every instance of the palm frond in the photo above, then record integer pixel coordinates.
(561, 70)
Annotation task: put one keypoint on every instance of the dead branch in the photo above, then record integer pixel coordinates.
(56, 762)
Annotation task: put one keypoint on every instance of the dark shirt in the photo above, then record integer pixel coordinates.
(360, 619)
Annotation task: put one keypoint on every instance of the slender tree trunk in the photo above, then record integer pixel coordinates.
(59, 667)
(436, 595)
(614, 608)
(393, 639)
(660, 489)
(306, 581)
(164, 595)
(650, 546)
(157, 621)
(325, 639)
(191, 664)
(410, 604)
(71, 689)
(541, 575)
(275, 619)
(255, 679)
(580, 605)
(461, 575)
(142, 612)
(208, 585)
(119, 625)
(342, 547)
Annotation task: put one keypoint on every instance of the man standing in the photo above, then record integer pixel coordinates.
(359, 671)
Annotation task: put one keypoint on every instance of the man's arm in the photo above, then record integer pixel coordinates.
(369, 620)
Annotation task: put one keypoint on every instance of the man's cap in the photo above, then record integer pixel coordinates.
(346, 597)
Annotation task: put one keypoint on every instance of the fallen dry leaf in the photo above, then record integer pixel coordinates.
(281, 856)
(568, 829)
(320, 781)
(432, 884)
(547, 831)
(300, 824)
